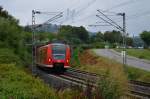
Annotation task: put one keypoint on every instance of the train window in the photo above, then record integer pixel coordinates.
(59, 56)
(59, 49)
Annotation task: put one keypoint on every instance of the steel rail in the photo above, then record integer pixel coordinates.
(137, 88)
(85, 79)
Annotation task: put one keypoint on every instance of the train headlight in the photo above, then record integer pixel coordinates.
(49, 60)
(67, 60)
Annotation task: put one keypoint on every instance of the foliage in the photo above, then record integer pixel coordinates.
(74, 35)
(99, 37)
(13, 37)
(15, 83)
(113, 37)
(8, 56)
(98, 45)
(146, 37)
(129, 41)
(113, 82)
(138, 74)
(6, 15)
(45, 36)
(75, 58)
(108, 87)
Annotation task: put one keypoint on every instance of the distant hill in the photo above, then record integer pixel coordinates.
(92, 33)
(53, 28)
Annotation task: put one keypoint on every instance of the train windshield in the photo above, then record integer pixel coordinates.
(59, 51)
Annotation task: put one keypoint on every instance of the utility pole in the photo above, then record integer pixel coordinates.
(124, 38)
(34, 12)
(123, 29)
(33, 42)
(124, 34)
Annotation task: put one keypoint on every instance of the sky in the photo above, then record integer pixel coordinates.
(83, 13)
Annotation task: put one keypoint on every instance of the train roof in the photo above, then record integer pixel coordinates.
(57, 44)
(51, 44)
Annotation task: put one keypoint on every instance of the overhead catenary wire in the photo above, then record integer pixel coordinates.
(135, 16)
(113, 22)
(99, 25)
(121, 4)
(78, 12)
(107, 22)
(57, 16)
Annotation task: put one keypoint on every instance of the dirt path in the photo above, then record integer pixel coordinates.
(131, 61)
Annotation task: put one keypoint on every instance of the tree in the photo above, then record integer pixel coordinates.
(129, 41)
(113, 36)
(73, 35)
(145, 36)
(12, 35)
(6, 15)
(99, 37)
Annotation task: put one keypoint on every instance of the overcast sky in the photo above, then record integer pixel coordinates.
(83, 12)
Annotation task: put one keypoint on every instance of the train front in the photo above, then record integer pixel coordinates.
(60, 56)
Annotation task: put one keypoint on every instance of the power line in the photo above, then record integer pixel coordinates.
(81, 10)
(107, 22)
(121, 4)
(99, 25)
(135, 16)
(114, 23)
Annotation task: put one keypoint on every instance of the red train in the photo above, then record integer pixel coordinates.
(54, 55)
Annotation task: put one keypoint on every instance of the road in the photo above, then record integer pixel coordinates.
(131, 61)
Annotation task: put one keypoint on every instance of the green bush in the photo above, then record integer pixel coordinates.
(98, 45)
(8, 56)
(108, 87)
(75, 57)
(16, 84)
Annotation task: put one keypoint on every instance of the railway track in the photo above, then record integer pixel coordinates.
(75, 77)
(137, 88)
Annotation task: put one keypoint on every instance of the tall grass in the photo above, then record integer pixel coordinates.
(138, 74)
(114, 82)
(15, 83)
(8, 56)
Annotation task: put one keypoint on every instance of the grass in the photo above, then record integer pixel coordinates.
(15, 83)
(8, 56)
(139, 53)
(114, 83)
(138, 74)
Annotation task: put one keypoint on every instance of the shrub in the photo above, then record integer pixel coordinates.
(74, 58)
(113, 83)
(8, 56)
(98, 45)
(16, 84)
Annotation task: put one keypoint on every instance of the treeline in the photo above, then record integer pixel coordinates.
(79, 35)
(12, 40)
(110, 38)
